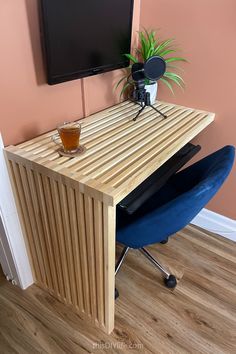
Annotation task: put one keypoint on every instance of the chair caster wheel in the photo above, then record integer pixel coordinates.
(164, 241)
(170, 282)
(116, 293)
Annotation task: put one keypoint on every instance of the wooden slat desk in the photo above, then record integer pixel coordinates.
(68, 206)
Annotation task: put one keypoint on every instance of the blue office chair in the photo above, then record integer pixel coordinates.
(173, 207)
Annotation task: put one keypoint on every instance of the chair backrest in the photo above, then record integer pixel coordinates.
(198, 184)
(216, 166)
(185, 194)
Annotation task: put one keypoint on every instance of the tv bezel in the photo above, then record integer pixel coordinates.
(52, 79)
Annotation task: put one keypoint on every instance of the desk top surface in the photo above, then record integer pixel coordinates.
(121, 153)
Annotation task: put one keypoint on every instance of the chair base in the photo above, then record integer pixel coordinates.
(164, 241)
(170, 282)
(116, 293)
(169, 279)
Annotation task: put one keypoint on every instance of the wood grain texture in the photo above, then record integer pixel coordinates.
(199, 316)
(68, 206)
(120, 153)
(72, 251)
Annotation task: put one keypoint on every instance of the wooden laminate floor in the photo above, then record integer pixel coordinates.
(199, 316)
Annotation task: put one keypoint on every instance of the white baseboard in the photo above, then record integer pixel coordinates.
(216, 223)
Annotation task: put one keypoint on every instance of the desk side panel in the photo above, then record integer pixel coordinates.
(71, 242)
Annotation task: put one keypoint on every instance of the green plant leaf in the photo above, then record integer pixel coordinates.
(150, 52)
(171, 74)
(131, 57)
(124, 88)
(175, 78)
(169, 66)
(163, 45)
(148, 44)
(168, 84)
(147, 81)
(170, 60)
(165, 52)
(120, 81)
(151, 38)
(144, 45)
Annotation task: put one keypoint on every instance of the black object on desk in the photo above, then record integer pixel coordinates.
(157, 180)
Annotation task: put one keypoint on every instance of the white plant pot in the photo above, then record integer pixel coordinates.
(152, 89)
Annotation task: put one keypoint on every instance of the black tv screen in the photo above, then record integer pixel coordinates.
(85, 37)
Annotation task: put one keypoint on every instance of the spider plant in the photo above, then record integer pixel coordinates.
(150, 45)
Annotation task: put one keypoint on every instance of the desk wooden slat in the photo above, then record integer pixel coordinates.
(67, 205)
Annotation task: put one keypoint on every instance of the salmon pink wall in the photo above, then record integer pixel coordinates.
(206, 31)
(28, 106)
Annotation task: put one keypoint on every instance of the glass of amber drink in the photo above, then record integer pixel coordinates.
(70, 136)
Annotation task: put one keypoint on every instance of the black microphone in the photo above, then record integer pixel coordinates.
(152, 69)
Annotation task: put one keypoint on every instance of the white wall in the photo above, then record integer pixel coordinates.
(13, 255)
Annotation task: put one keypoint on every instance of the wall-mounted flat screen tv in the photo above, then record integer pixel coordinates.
(85, 37)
